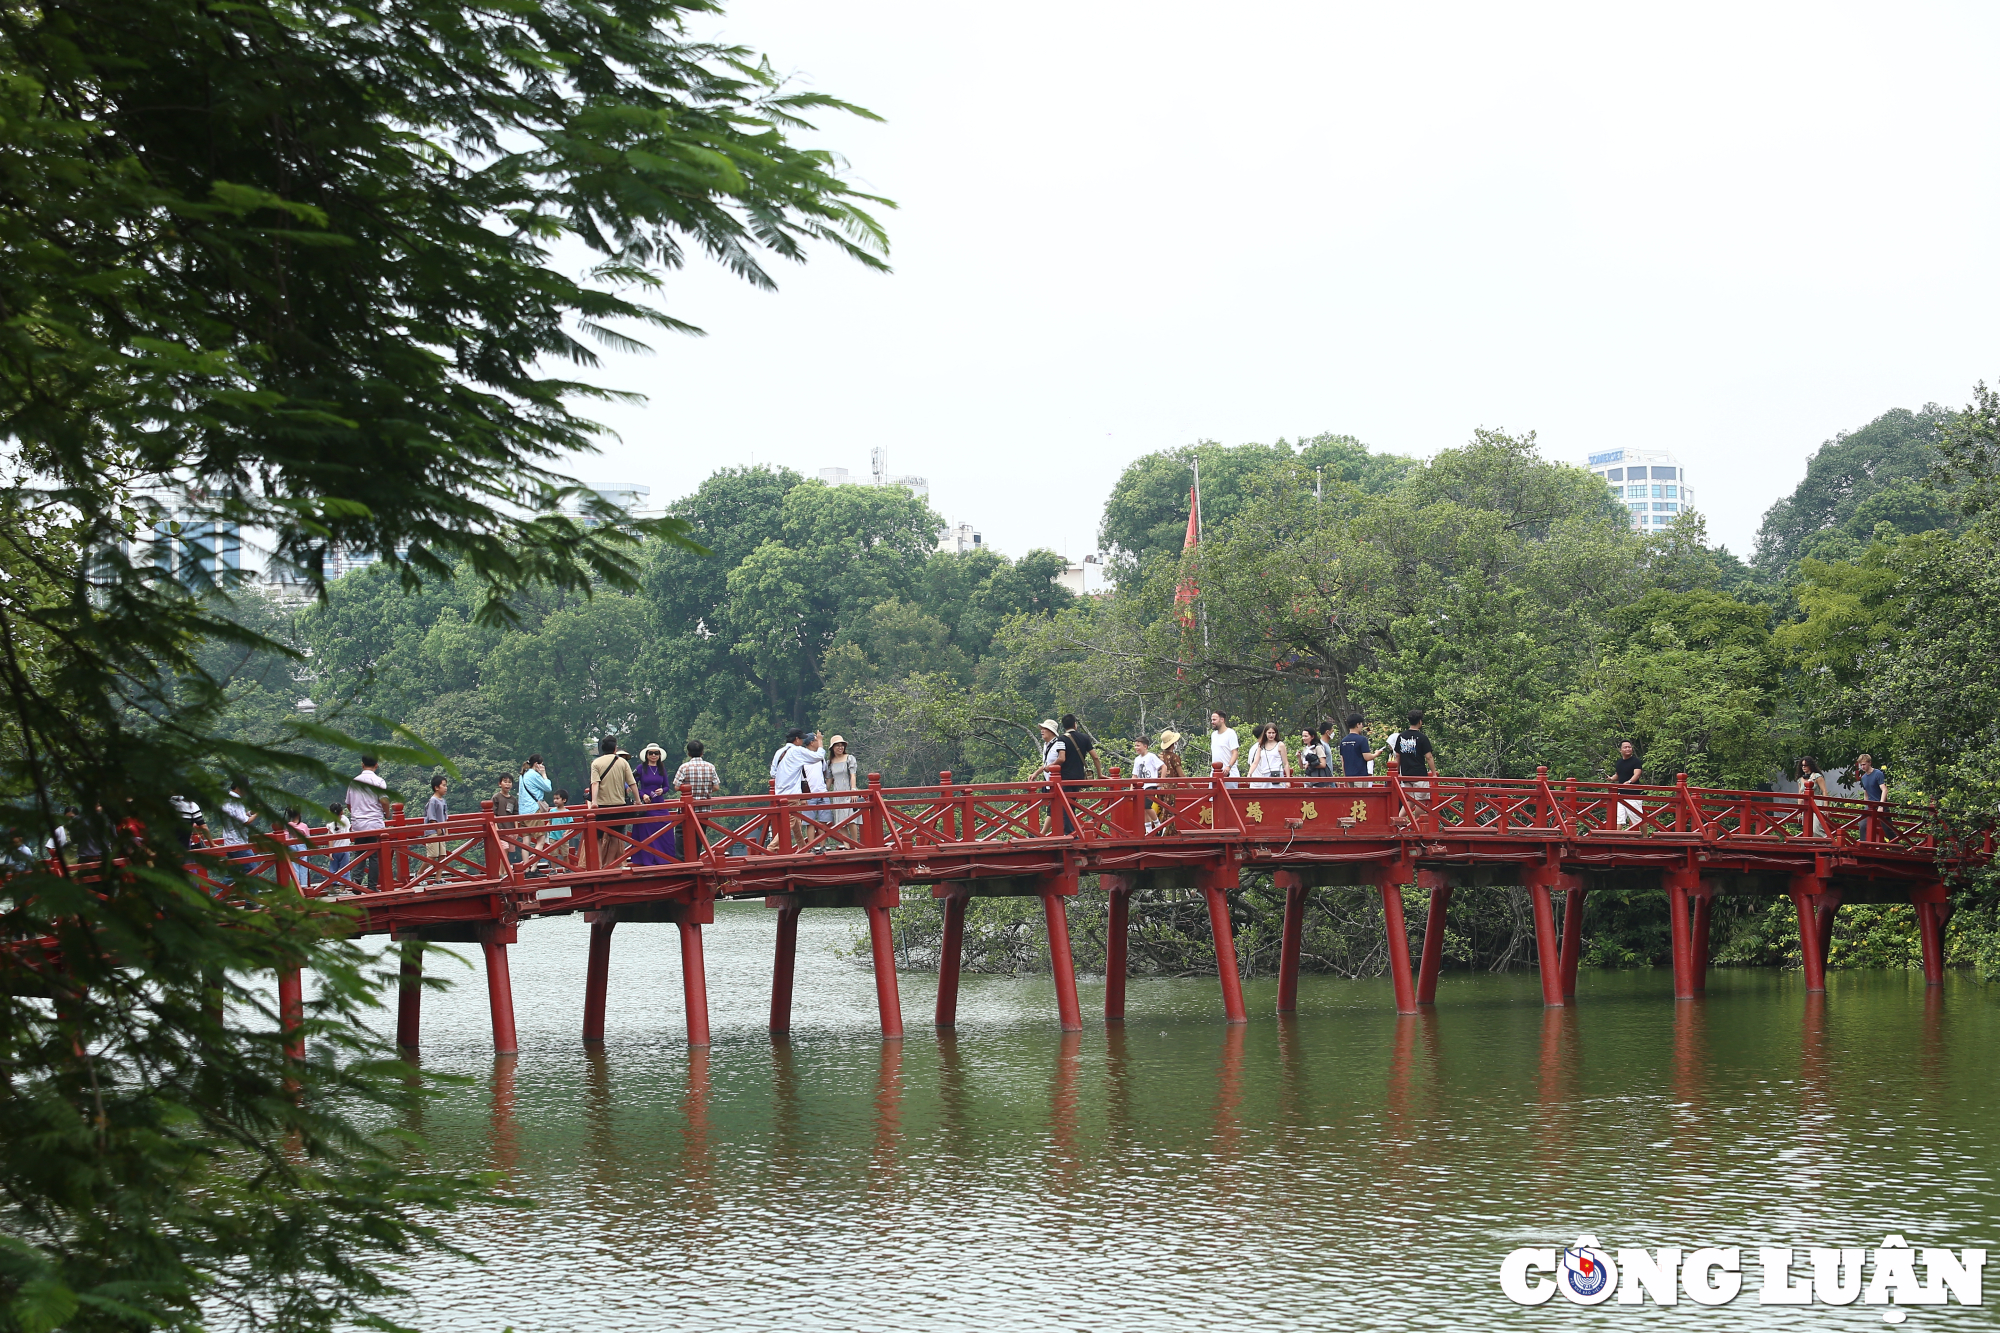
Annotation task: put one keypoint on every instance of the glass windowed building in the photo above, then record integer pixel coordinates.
(1649, 482)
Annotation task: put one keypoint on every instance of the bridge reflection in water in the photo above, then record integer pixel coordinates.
(477, 879)
(1182, 1170)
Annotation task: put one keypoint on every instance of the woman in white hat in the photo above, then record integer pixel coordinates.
(843, 773)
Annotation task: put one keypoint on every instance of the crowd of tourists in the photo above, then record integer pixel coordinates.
(824, 770)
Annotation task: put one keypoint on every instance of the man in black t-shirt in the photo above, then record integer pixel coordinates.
(1628, 772)
(1076, 744)
(1415, 756)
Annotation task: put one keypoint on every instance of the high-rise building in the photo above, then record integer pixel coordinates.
(1651, 483)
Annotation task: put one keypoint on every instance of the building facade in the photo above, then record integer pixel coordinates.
(1650, 483)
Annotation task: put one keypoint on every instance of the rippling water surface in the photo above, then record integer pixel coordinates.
(1339, 1169)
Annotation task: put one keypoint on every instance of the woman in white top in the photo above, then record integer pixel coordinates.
(1222, 744)
(1268, 758)
(843, 773)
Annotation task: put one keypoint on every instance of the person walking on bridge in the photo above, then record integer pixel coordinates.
(658, 839)
(1416, 757)
(1629, 771)
(611, 785)
(437, 810)
(1268, 759)
(843, 773)
(697, 774)
(367, 817)
(1874, 789)
(1812, 788)
(1076, 744)
(1222, 745)
(1355, 755)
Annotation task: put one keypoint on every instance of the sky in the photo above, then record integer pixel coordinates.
(1729, 230)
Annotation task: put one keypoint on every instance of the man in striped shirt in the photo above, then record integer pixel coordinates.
(697, 774)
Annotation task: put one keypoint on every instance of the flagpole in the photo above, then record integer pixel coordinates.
(1200, 607)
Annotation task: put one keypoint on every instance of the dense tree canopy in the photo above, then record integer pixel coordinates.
(308, 269)
(1856, 480)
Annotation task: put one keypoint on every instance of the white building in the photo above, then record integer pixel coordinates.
(878, 475)
(962, 537)
(1649, 482)
(629, 496)
(1086, 579)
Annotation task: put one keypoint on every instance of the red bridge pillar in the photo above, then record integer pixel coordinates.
(410, 995)
(881, 938)
(597, 975)
(1808, 893)
(1540, 880)
(493, 942)
(1389, 877)
(1572, 936)
(1215, 886)
(784, 962)
(1933, 912)
(694, 981)
(952, 952)
(1433, 956)
(1293, 943)
(292, 1011)
(1116, 937)
(1056, 892)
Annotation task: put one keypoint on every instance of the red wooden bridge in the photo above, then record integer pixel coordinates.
(477, 878)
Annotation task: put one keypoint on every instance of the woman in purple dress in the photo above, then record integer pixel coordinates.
(656, 787)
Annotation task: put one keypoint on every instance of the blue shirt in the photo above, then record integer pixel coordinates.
(534, 790)
(1872, 782)
(1354, 755)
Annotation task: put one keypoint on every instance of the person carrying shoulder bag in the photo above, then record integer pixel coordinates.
(611, 783)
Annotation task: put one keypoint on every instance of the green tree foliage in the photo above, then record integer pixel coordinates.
(1147, 512)
(295, 268)
(1855, 481)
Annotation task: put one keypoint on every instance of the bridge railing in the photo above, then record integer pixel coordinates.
(476, 851)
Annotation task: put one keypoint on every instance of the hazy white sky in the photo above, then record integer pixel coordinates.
(1730, 230)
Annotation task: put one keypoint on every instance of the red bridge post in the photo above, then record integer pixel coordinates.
(694, 982)
(597, 976)
(1933, 911)
(1541, 879)
(1389, 878)
(1116, 938)
(1677, 884)
(882, 944)
(952, 952)
(1433, 955)
(1056, 890)
(784, 963)
(1215, 886)
(1806, 891)
(410, 995)
(493, 941)
(292, 1011)
(1292, 943)
(1572, 936)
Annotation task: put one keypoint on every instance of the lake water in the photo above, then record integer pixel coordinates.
(1340, 1169)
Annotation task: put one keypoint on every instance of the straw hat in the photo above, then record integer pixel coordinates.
(1169, 739)
(835, 740)
(1049, 725)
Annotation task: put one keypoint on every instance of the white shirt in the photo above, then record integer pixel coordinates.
(1267, 763)
(789, 765)
(1147, 766)
(364, 800)
(1052, 753)
(1221, 746)
(235, 824)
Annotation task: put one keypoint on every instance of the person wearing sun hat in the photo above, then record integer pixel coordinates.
(1052, 744)
(843, 773)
